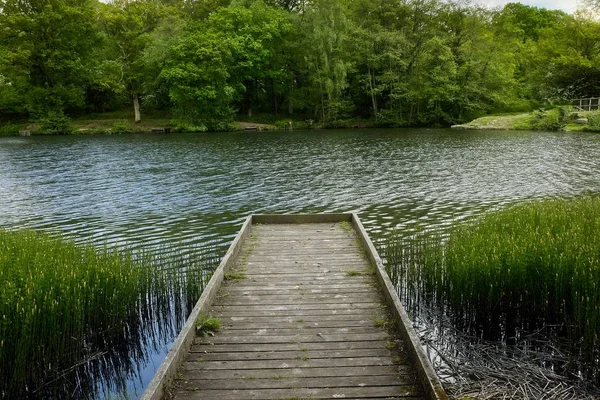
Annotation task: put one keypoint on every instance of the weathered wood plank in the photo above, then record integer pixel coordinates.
(232, 300)
(352, 381)
(400, 370)
(287, 355)
(198, 363)
(405, 392)
(262, 347)
(299, 338)
(225, 332)
(226, 312)
(298, 307)
(322, 287)
(301, 322)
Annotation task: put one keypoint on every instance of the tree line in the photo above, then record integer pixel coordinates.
(398, 62)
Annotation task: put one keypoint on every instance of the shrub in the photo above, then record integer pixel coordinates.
(55, 123)
(594, 122)
(9, 129)
(121, 126)
(552, 120)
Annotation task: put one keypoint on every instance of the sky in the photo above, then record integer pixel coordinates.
(569, 6)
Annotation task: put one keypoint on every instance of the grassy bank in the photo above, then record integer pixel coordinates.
(563, 118)
(512, 272)
(121, 122)
(64, 306)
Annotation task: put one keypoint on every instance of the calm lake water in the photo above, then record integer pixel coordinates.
(191, 189)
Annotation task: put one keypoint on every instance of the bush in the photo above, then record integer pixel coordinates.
(552, 120)
(55, 123)
(121, 126)
(9, 129)
(594, 122)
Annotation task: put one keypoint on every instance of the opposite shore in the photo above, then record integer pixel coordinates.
(556, 119)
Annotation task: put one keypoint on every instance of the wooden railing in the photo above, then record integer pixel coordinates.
(589, 104)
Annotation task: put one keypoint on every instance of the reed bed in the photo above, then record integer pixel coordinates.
(74, 318)
(513, 272)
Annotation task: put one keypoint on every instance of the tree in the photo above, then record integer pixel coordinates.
(326, 57)
(569, 57)
(46, 52)
(230, 58)
(129, 25)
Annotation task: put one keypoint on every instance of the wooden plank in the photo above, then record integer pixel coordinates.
(299, 338)
(225, 332)
(322, 287)
(308, 298)
(299, 218)
(198, 363)
(286, 355)
(298, 307)
(328, 320)
(262, 347)
(320, 324)
(400, 370)
(353, 276)
(405, 392)
(356, 381)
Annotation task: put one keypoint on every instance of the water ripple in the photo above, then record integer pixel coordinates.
(151, 190)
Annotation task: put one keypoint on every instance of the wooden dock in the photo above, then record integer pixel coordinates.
(306, 311)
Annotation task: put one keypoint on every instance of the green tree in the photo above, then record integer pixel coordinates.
(230, 58)
(46, 52)
(326, 57)
(129, 25)
(569, 54)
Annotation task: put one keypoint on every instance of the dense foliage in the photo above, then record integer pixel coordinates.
(524, 269)
(405, 62)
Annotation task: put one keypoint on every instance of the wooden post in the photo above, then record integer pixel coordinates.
(136, 107)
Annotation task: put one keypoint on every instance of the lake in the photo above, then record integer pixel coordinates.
(157, 191)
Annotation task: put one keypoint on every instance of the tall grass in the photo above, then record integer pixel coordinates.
(512, 272)
(72, 311)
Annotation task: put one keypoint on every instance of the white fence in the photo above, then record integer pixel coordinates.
(589, 104)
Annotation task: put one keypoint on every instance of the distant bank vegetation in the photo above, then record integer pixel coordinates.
(556, 119)
(195, 65)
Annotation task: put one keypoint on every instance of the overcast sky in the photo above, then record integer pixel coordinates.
(565, 5)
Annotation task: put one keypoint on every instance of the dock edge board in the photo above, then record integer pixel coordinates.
(167, 371)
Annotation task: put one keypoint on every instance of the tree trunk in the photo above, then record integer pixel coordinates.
(371, 84)
(136, 107)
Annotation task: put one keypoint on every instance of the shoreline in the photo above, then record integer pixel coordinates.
(162, 124)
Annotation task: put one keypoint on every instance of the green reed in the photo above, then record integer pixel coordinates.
(513, 271)
(62, 305)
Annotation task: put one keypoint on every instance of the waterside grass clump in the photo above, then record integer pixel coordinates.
(64, 305)
(514, 271)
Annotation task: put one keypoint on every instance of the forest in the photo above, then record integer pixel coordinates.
(395, 62)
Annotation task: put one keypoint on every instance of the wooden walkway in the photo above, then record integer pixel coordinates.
(302, 317)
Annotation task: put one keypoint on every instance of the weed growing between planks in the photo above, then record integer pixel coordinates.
(207, 325)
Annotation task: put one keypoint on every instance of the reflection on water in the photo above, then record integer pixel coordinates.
(154, 191)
